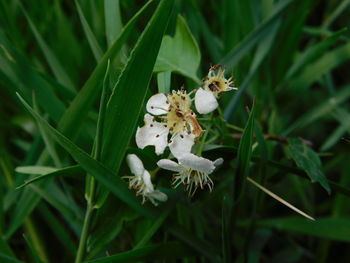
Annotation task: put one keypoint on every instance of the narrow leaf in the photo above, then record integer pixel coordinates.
(244, 154)
(95, 168)
(128, 95)
(94, 45)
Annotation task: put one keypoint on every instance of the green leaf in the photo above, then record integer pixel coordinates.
(33, 252)
(5, 249)
(35, 169)
(54, 63)
(99, 171)
(260, 54)
(153, 253)
(308, 160)
(75, 115)
(94, 45)
(163, 81)
(155, 226)
(320, 110)
(180, 53)
(101, 193)
(25, 80)
(324, 64)
(50, 145)
(343, 117)
(331, 228)
(7, 259)
(126, 101)
(313, 53)
(113, 21)
(243, 47)
(46, 172)
(244, 155)
(113, 222)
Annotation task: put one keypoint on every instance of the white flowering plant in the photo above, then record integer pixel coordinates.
(121, 141)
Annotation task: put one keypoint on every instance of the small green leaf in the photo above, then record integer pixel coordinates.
(180, 53)
(331, 228)
(244, 155)
(35, 169)
(46, 172)
(308, 160)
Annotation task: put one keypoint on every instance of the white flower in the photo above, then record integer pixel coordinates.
(214, 84)
(192, 171)
(141, 181)
(171, 114)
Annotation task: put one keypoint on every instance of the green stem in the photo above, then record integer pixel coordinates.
(201, 145)
(84, 233)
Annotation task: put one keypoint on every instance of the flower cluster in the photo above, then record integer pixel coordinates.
(171, 122)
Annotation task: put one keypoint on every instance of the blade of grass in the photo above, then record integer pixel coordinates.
(70, 170)
(243, 47)
(25, 79)
(312, 53)
(95, 168)
(331, 228)
(122, 117)
(94, 45)
(320, 110)
(50, 146)
(324, 64)
(155, 226)
(279, 199)
(113, 20)
(76, 113)
(34, 254)
(261, 52)
(244, 154)
(90, 184)
(54, 63)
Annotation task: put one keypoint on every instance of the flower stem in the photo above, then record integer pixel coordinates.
(201, 145)
(84, 233)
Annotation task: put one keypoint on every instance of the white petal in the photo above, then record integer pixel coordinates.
(218, 162)
(157, 104)
(152, 133)
(135, 164)
(205, 101)
(147, 181)
(169, 165)
(181, 143)
(158, 195)
(196, 163)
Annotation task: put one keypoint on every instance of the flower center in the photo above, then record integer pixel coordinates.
(180, 117)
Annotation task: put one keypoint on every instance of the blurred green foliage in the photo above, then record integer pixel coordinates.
(61, 193)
